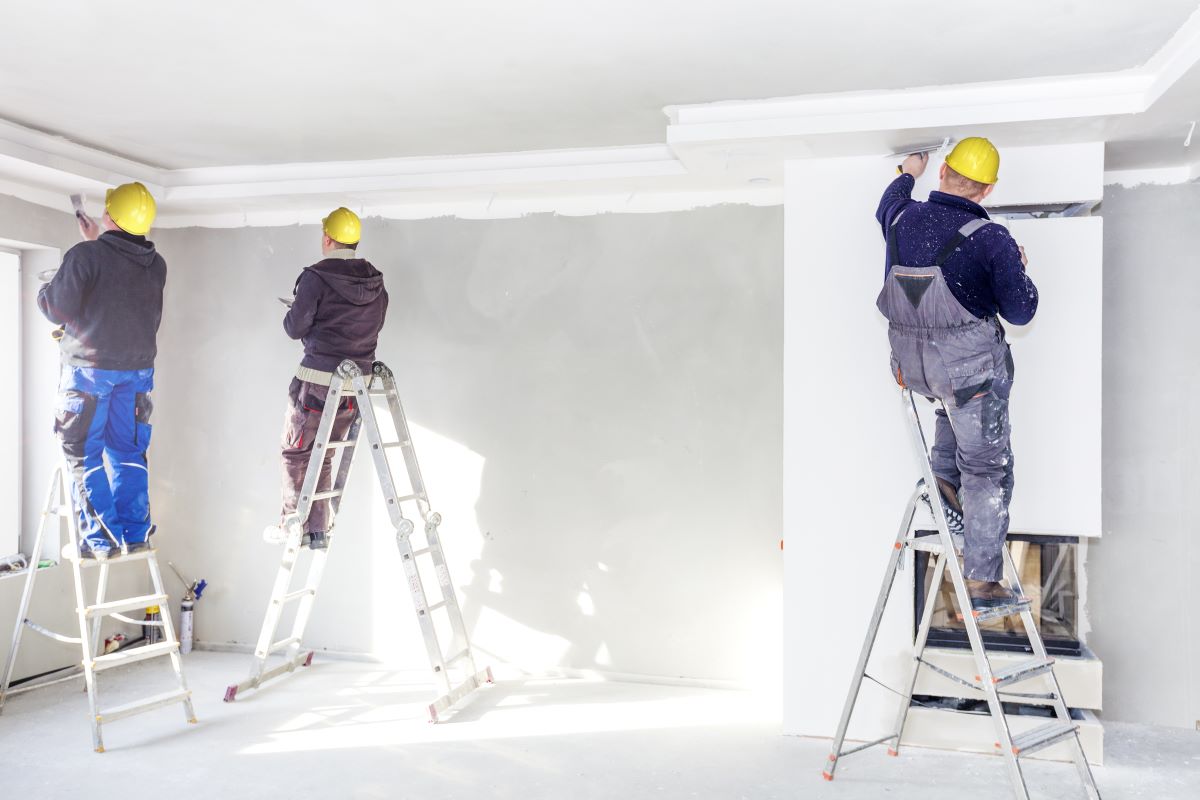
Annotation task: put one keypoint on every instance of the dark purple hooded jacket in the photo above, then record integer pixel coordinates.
(338, 311)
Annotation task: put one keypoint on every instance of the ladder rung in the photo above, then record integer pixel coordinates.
(326, 495)
(128, 604)
(1022, 671)
(145, 704)
(436, 606)
(283, 643)
(390, 445)
(133, 654)
(407, 497)
(290, 596)
(1001, 611)
(338, 445)
(422, 551)
(1042, 737)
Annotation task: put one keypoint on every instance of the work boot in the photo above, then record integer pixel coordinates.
(990, 594)
(136, 547)
(94, 554)
(317, 540)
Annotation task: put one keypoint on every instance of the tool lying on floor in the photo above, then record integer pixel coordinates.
(58, 507)
(943, 547)
(349, 380)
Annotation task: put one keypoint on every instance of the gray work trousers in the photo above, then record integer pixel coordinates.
(306, 402)
(970, 370)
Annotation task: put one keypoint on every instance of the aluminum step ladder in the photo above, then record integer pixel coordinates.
(454, 667)
(944, 549)
(59, 507)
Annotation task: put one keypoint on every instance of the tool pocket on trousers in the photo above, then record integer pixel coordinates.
(971, 377)
(143, 407)
(72, 420)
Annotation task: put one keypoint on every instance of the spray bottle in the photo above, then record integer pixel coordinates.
(192, 592)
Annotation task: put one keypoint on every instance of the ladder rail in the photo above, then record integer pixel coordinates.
(52, 502)
(947, 562)
(350, 380)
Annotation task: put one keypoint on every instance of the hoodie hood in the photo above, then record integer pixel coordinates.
(355, 280)
(137, 249)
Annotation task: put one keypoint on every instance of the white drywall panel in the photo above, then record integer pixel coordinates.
(848, 463)
(596, 404)
(1056, 400)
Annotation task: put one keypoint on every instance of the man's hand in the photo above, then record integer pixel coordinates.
(88, 227)
(915, 164)
(1024, 260)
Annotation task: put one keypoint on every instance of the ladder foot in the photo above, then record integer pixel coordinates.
(230, 694)
(193, 721)
(827, 776)
(100, 749)
(308, 660)
(893, 752)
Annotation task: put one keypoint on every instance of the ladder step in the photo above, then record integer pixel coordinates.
(327, 495)
(134, 654)
(1042, 737)
(1022, 671)
(145, 704)
(436, 606)
(1001, 611)
(931, 542)
(128, 604)
(290, 596)
(284, 643)
(390, 445)
(339, 445)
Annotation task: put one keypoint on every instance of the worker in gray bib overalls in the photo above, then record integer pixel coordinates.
(951, 273)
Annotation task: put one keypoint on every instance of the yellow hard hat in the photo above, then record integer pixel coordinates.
(975, 158)
(343, 226)
(132, 207)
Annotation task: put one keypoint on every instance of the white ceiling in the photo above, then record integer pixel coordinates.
(268, 81)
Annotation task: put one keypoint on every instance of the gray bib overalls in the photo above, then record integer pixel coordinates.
(944, 352)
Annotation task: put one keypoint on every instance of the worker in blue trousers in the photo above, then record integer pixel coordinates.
(951, 275)
(107, 297)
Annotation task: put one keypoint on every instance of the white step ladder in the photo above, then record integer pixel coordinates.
(944, 548)
(59, 507)
(457, 659)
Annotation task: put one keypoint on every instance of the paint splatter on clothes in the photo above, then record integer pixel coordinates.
(985, 274)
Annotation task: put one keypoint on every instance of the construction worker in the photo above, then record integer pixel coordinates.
(108, 297)
(337, 311)
(951, 274)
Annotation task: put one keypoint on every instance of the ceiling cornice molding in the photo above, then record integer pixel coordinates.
(1130, 91)
(44, 168)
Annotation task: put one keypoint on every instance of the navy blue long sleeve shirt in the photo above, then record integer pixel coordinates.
(985, 273)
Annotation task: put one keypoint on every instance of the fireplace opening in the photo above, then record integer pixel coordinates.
(1047, 568)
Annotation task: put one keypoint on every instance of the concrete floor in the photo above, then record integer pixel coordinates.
(352, 730)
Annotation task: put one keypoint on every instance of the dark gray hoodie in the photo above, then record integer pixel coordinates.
(338, 311)
(108, 295)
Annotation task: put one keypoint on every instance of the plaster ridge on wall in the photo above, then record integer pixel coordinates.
(1153, 176)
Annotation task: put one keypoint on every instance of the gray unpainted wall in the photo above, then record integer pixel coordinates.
(618, 375)
(1144, 595)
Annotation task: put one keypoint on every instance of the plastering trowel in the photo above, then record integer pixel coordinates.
(927, 147)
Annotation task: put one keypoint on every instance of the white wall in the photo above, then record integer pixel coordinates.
(597, 404)
(10, 403)
(849, 468)
(53, 603)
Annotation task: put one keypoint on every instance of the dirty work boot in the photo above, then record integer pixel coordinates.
(990, 594)
(94, 553)
(136, 547)
(317, 540)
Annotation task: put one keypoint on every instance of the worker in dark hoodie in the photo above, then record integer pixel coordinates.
(337, 312)
(107, 297)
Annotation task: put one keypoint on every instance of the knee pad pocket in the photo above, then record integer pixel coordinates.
(73, 419)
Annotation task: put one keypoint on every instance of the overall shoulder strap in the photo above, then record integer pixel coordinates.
(893, 250)
(960, 236)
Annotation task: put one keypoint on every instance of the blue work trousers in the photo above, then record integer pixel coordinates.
(104, 415)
